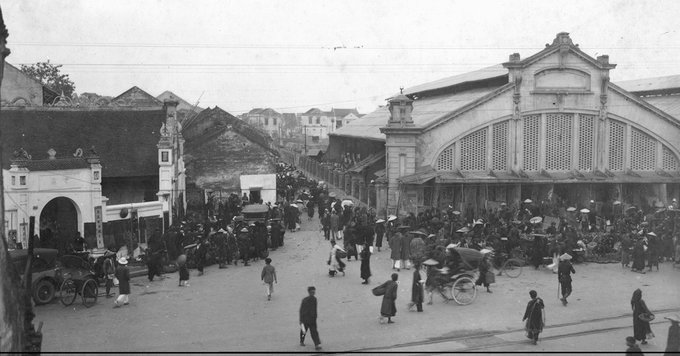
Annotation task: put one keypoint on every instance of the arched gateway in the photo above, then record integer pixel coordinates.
(59, 223)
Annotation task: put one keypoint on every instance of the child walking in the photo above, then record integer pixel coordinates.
(269, 277)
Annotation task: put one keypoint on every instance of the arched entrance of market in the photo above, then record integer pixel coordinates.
(59, 223)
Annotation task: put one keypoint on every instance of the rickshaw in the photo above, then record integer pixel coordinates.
(458, 284)
(45, 274)
(78, 279)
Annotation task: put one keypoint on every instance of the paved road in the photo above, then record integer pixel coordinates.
(228, 310)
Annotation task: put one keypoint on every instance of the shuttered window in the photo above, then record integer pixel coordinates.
(532, 127)
(473, 151)
(558, 142)
(500, 146)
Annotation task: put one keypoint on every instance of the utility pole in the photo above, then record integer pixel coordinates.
(305, 140)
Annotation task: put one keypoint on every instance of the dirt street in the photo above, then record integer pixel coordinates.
(227, 310)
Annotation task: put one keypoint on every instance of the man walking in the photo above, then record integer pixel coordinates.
(564, 271)
(308, 318)
(269, 277)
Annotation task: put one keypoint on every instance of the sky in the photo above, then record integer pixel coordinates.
(297, 54)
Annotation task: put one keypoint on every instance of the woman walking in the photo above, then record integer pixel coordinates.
(365, 264)
(388, 309)
(638, 257)
(534, 317)
(641, 328)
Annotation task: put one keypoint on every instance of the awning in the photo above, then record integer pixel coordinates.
(314, 151)
(367, 162)
(572, 177)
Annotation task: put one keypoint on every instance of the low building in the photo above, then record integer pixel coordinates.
(220, 148)
(137, 145)
(318, 124)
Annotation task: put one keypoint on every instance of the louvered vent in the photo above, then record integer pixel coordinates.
(532, 125)
(585, 142)
(500, 146)
(642, 151)
(616, 139)
(670, 162)
(445, 160)
(473, 151)
(558, 142)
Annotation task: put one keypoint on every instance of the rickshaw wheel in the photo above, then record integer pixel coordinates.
(67, 292)
(464, 291)
(512, 268)
(89, 292)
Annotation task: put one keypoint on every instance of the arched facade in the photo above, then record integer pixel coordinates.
(557, 130)
(557, 142)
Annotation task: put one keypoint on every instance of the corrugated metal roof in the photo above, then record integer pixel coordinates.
(650, 84)
(481, 74)
(425, 111)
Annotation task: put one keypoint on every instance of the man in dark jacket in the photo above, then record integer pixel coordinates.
(123, 275)
(308, 318)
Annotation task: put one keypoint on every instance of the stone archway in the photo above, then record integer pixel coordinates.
(58, 223)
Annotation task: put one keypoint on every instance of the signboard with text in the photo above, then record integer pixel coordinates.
(99, 226)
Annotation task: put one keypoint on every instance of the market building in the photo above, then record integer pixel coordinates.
(551, 127)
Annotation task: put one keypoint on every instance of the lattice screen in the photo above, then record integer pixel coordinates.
(670, 162)
(473, 151)
(642, 151)
(585, 142)
(532, 127)
(616, 140)
(500, 146)
(445, 160)
(558, 142)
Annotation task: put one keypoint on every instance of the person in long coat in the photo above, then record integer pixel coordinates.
(638, 257)
(564, 271)
(484, 267)
(365, 264)
(641, 328)
(244, 245)
(350, 243)
(406, 247)
(123, 275)
(379, 233)
(276, 234)
(417, 293)
(533, 315)
(673, 342)
(653, 251)
(232, 247)
(395, 254)
(388, 308)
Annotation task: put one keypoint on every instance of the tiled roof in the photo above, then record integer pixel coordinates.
(136, 97)
(425, 112)
(343, 112)
(125, 139)
(183, 104)
(55, 164)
